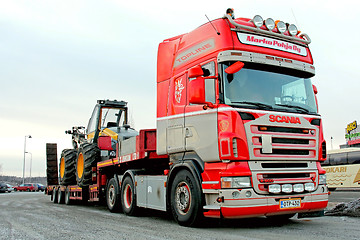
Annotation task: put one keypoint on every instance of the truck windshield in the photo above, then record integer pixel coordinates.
(255, 88)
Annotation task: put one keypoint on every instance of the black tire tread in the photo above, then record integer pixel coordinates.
(69, 177)
(91, 157)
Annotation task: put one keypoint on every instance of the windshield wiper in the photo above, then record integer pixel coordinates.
(258, 104)
(302, 109)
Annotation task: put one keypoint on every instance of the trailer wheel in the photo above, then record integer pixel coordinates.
(186, 199)
(60, 196)
(88, 155)
(67, 197)
(113, 196)
(54, 196)
(67, 167)
(128, 197)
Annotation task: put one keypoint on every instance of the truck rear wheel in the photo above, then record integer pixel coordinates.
(54, 196)
(67, 197)
(113, 196)
(88, 155)
(67, 167)
(128, 197)
(186, 199)
(60, 196)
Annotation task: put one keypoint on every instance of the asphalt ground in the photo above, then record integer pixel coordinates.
(32, 215)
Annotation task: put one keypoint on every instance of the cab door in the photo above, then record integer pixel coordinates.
(201, 134)
(175, 132)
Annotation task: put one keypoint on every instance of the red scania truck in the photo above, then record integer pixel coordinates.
(238, 131)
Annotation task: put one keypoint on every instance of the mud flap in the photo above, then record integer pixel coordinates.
(311, 214)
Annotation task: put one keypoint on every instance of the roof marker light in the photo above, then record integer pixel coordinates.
(258, 21)
(270, 24)
(281, 26)
(293, 30)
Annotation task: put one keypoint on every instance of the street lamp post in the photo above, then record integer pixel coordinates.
(27, 136)
(30, 163)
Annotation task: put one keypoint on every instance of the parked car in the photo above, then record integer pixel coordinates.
(30, 187)
(40, 187)
(10, 188)
(3, 188)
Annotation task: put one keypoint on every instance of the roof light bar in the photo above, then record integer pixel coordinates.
(270, 24)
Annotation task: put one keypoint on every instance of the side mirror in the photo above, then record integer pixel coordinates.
(197, 91)
(195, 72)
(234, 68)
(315, 89)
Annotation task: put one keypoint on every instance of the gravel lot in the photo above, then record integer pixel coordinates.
(32, 216)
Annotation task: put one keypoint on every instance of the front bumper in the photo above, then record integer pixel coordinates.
(234, 203)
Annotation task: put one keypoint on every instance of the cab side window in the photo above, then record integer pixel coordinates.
(209, 70)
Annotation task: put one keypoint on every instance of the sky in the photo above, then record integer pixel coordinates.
(58, 57)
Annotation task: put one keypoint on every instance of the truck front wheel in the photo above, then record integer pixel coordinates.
(128, 197)
(113, 196)
(186, 199)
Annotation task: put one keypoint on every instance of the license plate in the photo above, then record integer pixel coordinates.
(290, 203)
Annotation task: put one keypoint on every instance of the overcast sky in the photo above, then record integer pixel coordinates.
(58, 57)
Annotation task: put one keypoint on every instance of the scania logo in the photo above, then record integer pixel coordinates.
(284, 119)
(266, 180)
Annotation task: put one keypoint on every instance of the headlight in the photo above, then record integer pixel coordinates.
(309, 187)
(281, 26)
(270, 24)
(293, 30)
(235, 182)
(298, 187)
(286, 188)
(322, 179)
(258, 20)
(274, 188)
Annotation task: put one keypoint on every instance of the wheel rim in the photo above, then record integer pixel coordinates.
(62, 167)
(128, 196)
(183, 198)
(80, 165)
(111, 196)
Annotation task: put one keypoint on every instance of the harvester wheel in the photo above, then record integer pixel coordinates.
(88, 156)
(186, 199)
(128, 197)
(113, 196)
(67, 167)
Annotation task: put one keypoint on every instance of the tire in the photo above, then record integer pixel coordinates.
(67, 197)
(185, 199)
(67, 167)
(128, 197)
(113, 196)
(54, 196)
(61, 196)
(88, 156)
